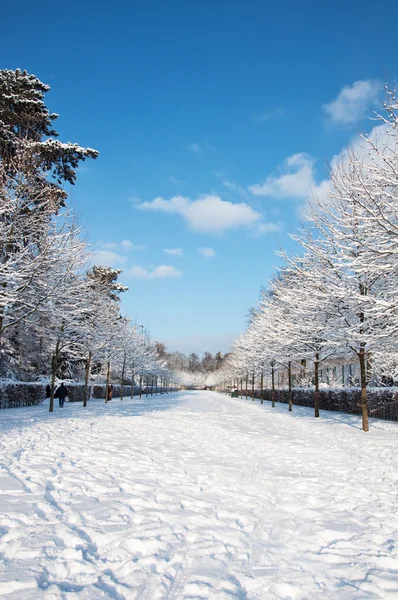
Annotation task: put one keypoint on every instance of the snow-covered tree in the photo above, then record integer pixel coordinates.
(34, 233)
(26, 126)
(304, 293)
(61, 314)
(32, 244)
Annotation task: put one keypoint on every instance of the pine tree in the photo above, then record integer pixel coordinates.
(26, 130)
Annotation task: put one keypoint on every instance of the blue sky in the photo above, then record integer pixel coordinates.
(214, 120)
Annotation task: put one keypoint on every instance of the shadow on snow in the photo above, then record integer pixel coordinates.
(26, 417)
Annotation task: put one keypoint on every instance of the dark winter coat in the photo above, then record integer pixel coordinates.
(61, 392)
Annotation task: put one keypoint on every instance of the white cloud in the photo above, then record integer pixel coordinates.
(126, 244)
(353, 102)
(269, 115)
(208, 213)
(206, 252)
(297, 178)
(108, 258)
(166, 271)
(160, 272)
(123, 245)
(269, 228)
(195, 148)
(173, 179)
(113, 253)
(296, 182)
(134, 200)
(381, 136)
(235, 187)
(174, 251)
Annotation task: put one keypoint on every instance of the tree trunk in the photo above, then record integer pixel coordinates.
(247, 382)
(87, 375)
(53, 369)
(253, 388)
(303, 370)
(147, 383)
(151, 385)
(261, 386)
(140, 386)
(122, 379)
(273, 383)
(368, 368)
(108, 373)
(289, 375)
(316, 393)
(54, 366)
(1, 324)
(156, 384)
(132, 381)
(364, 402)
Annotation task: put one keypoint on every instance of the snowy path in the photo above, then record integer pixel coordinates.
(193, 496)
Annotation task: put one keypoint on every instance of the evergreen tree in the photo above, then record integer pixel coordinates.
(208, 362)
(106, 279)
(193, 362)
(26, 130)
(219, 359)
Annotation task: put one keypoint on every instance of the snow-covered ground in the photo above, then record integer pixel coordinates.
(196, 495)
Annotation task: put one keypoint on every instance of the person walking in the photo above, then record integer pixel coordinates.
(61, 394)
(110, 392)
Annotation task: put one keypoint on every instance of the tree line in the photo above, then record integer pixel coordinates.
(59, 315)
(191, 370)
(337, 298)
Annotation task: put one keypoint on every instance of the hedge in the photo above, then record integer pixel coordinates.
(14, 394)
(382, 402)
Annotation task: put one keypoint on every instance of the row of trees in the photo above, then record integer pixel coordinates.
(191, 371)
(338, 297)
(58, 315)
